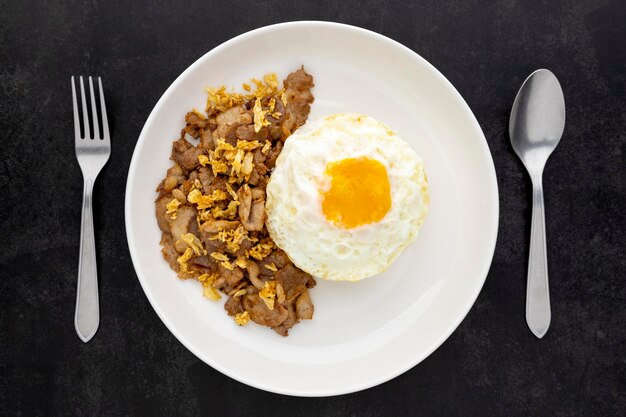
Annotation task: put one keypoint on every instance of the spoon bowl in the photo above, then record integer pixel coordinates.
(537, 119)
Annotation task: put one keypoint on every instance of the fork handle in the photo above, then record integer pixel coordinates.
(538, 314)
(87, 315)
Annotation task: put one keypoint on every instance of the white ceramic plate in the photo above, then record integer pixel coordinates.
(363, 333)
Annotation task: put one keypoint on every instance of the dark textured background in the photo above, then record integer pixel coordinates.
(491, 365)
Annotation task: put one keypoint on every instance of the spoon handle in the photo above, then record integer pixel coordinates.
(537, 292)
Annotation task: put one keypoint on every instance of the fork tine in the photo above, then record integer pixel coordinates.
(75, 103)
(103, 108)
(94, 111)
(85, 115)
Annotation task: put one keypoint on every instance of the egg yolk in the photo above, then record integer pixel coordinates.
(359, 192)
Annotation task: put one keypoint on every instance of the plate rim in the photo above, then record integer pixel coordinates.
(493, 184)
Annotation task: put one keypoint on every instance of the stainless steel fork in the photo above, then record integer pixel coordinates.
(92, 153)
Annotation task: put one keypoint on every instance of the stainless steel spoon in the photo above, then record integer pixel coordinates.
(536, 126)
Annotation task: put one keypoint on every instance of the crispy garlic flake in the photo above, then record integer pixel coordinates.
(268, 294)
(203, 202)
(261, 250)
(222, 100)
(280, 293)
(207, 285)
(203, 159)
(224, 261)
(242, 318)
(219, 256)
(227, 213)
(199, 113)
(259, 116)
(183, 259)
(172, 208)
(271, 267)
(194, 243)
(241, 262)
(239, 293)
(266, 147)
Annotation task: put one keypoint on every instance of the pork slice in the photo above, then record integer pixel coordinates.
(238, 114)
(215, 226)
(200, 269)
(257, 212)
(212, 245)
(259, 313)
(259, 162)
(229, 121)
(293, 281)
(251, 208)
(232, 277)
(298, 86)
(179, 146)
(205, 261)
(233, 306)
(262, 134)
(275, 132)
(262, 183)
(195, 124)
(245, 132)
(277, 257)
(212, 124)
(205, 175)
(254, 177)
(304, 306)
(185, 154)
(173, 178)
(209, 229)
(253, 270)
(180, 225)
(168, 251)
(193, 226)
(299, 80)
(245, 245)
(217, 183)
(206, 140)
(161, 209)
(228, 132)
(272, 155)
(290, 321)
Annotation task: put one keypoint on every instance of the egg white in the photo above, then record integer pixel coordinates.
(296, 222)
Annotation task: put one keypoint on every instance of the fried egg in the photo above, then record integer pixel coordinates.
(347, 195)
